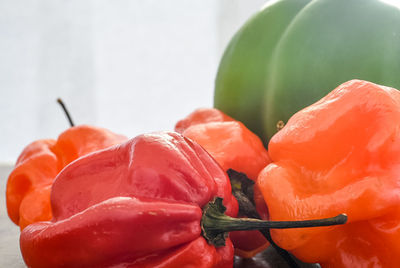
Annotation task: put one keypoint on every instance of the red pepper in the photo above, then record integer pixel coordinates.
(29, 184)
(138, 204)
(233, 146)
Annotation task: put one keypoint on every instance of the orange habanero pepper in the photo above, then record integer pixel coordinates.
(29, 184)
(341, 154)
(233, 146)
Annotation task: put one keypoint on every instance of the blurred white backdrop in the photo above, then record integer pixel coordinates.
(132, 66)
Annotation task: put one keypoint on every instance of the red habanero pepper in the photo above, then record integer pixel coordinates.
(137, 204)
(340, 154)
(233, 146)
(29, 184)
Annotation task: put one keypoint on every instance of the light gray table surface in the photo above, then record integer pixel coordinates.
(10, 255)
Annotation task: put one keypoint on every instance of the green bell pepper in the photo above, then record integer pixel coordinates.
(293, 52)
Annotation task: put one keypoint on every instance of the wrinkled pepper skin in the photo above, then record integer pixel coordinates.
(233, 146)
(339, 155)
(29, 184)
(137, 204)
(293, 52)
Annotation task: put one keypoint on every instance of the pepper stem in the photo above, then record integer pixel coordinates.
(71, 123)
(216, 225)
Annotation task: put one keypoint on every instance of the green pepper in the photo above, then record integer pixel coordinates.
(293, 52)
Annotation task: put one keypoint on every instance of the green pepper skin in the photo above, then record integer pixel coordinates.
(293, 52)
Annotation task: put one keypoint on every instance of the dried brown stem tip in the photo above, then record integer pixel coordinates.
(71, 123)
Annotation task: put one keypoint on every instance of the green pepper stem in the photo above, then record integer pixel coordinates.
(216, 225)
(71, 123)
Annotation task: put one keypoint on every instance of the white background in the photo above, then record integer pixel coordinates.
(130, 66)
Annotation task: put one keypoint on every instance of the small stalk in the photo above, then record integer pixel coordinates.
(216, 225)
(71, 123)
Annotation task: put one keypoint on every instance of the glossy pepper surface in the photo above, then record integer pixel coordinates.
(137, 204)
(293, 52)
(233, 146)
(29, 184)
(340, 154)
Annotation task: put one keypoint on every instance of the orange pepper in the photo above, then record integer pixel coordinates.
(29, 184)
(339, 155)
(228, 141)
(233, 146)
(202, 116)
